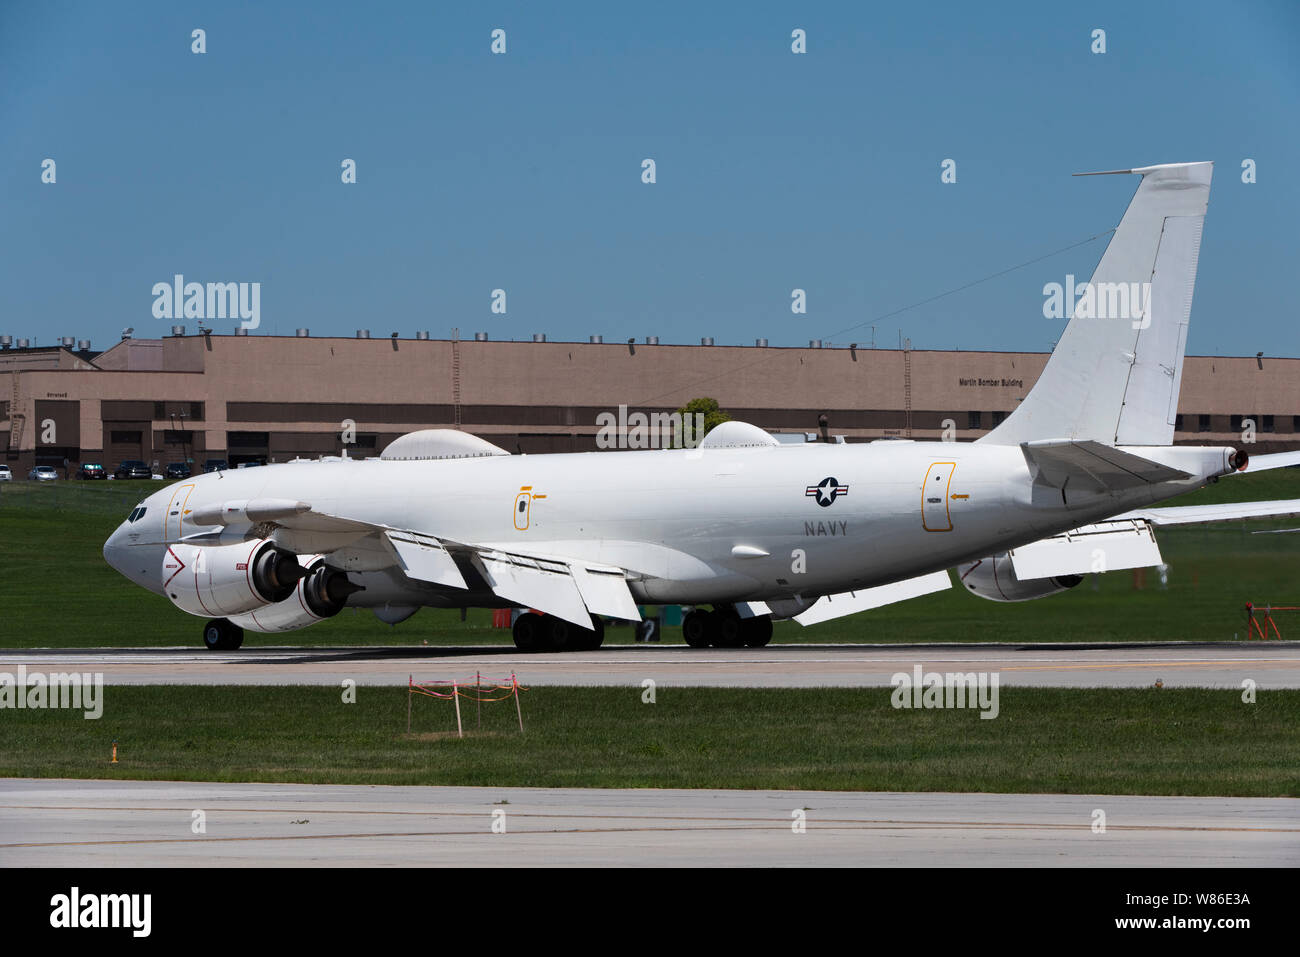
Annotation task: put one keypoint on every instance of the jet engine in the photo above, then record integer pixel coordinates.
(994, 578)
(320, 594)
(217, 581)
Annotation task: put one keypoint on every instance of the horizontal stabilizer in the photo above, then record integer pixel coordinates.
(851, 602)
(1106, 546)
(1056, 462)
(1277, 460)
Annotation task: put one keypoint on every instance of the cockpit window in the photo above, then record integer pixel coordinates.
(136, 514)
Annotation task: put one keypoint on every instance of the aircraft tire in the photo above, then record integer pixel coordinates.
(728, 629)
(529, 632)
(757, 632)
(695, 629)
(559, 635)
(220, 635)
(591, 640)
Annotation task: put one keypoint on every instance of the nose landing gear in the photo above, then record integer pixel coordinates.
(221, 635)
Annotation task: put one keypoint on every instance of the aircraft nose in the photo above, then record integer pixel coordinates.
(115, 550)
(139, 562)
(113, 547)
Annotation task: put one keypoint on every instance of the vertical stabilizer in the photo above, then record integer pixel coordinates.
(1115, 373)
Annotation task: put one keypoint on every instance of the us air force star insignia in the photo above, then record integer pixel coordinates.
(826, 491)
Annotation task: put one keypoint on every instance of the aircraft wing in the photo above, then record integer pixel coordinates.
(1128, 540)
(1230, 512)
(570, 588)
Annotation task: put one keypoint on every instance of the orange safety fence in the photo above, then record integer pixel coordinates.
(454, 690)
(1260, 626)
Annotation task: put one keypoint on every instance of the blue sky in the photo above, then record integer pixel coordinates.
(523, 171)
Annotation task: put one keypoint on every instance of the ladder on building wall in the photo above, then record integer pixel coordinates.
(16, 422)
(455, 374)
(907, 385)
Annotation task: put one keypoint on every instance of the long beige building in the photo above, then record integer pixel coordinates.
(244, 398)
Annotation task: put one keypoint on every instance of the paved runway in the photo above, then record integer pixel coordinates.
(128, 823)
(1189, 664)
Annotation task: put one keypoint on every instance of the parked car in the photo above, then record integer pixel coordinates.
(43, 473)
(177, 470)
(91, 470)
(133, 469)
(5, 474)
(215, 465)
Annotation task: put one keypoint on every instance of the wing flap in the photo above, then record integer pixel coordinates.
(851, 602)
(604, 591)
(535, 583)
(425, 558)
(1106, 546)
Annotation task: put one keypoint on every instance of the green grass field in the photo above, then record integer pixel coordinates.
(1045, 740)
(56, 590)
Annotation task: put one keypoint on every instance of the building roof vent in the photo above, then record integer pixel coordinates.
(480, 337)
(539, 337)
(761, 343)
(302, 333)
(6, 342)
(652, 340)
(422, 334)
(24, 343)
(706, 341)
(596, 339)
(363, 333)
(241, 331)
(814, 343)
(178, 330)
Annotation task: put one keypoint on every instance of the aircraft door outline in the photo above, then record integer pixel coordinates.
(523, 508)
(523, 515)
(935, 515)
(175, 513)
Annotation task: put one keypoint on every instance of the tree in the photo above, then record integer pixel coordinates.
(713, 416)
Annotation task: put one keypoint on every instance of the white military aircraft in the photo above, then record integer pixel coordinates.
(755, 528)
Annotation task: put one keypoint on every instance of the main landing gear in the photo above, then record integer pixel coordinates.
(724, 628)
(221, 635)
(534, 632)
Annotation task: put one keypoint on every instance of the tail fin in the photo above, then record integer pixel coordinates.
(1115, 373)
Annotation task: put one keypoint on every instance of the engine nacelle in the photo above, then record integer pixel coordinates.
(995, 579)
(321, 593)
(218, 581)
